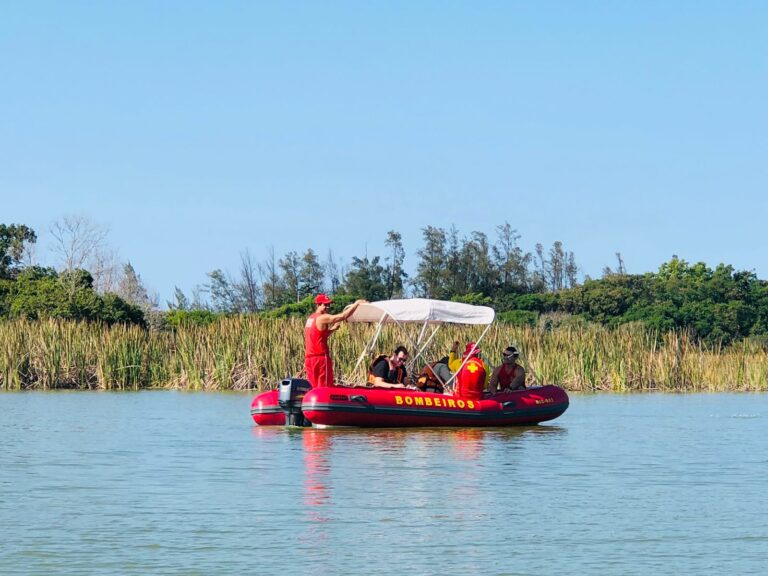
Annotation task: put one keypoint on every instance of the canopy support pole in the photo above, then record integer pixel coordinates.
(369, 347)
(429, 340)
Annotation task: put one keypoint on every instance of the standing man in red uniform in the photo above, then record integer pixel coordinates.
(319, 325)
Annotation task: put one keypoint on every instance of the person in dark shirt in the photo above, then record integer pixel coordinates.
(389, 371)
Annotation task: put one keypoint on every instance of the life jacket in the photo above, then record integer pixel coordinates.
(470, 380)
(315, 340)
(399, 371)
(427, 380)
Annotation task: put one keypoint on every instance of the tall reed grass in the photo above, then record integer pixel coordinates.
(254, 353)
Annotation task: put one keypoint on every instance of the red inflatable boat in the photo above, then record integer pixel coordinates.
(266, 410)
(295, 403)
(387, 407)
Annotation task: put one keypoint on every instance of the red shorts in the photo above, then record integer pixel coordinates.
(319, 370)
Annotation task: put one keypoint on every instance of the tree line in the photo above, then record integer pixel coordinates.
(450, 266)
(538, 287)
(70, 292)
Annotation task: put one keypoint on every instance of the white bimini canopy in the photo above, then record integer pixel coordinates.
(422, 311)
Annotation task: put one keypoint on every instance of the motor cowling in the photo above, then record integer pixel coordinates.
(290, 396)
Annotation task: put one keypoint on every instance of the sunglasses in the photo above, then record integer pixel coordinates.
(401, 359)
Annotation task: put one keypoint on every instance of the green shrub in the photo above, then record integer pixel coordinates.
(186, 318)
(518, 317)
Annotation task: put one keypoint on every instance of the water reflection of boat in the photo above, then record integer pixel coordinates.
(316, 445)
(296, 403)
(467, 444)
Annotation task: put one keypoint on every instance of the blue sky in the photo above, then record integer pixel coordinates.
(195, 130)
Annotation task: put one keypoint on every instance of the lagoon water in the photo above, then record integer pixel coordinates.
(183, 483)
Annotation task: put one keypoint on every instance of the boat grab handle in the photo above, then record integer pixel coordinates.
(508, 404)
(358, 398)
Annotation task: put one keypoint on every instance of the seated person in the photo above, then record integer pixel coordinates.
(455, 361)
(441, 370)
(389, 371)
(471, 377)
(509, 375)
(434, 376)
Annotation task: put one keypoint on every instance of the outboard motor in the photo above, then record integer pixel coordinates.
(290, 396)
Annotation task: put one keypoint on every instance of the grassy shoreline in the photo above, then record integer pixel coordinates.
(243, 353)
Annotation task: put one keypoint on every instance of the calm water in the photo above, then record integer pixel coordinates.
(176, 483)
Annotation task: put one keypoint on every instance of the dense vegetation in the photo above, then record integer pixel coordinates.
(686, 325)
(719, 306)
(34, 292)
(43, 293)
(246, 352)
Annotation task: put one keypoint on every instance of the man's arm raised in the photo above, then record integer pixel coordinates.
(328, 321)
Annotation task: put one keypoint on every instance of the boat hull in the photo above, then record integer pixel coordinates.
(388, 408)
(371, 407)
(266, 411)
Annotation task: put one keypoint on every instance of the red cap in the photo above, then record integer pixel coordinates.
(468, 349)
(323, 299)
